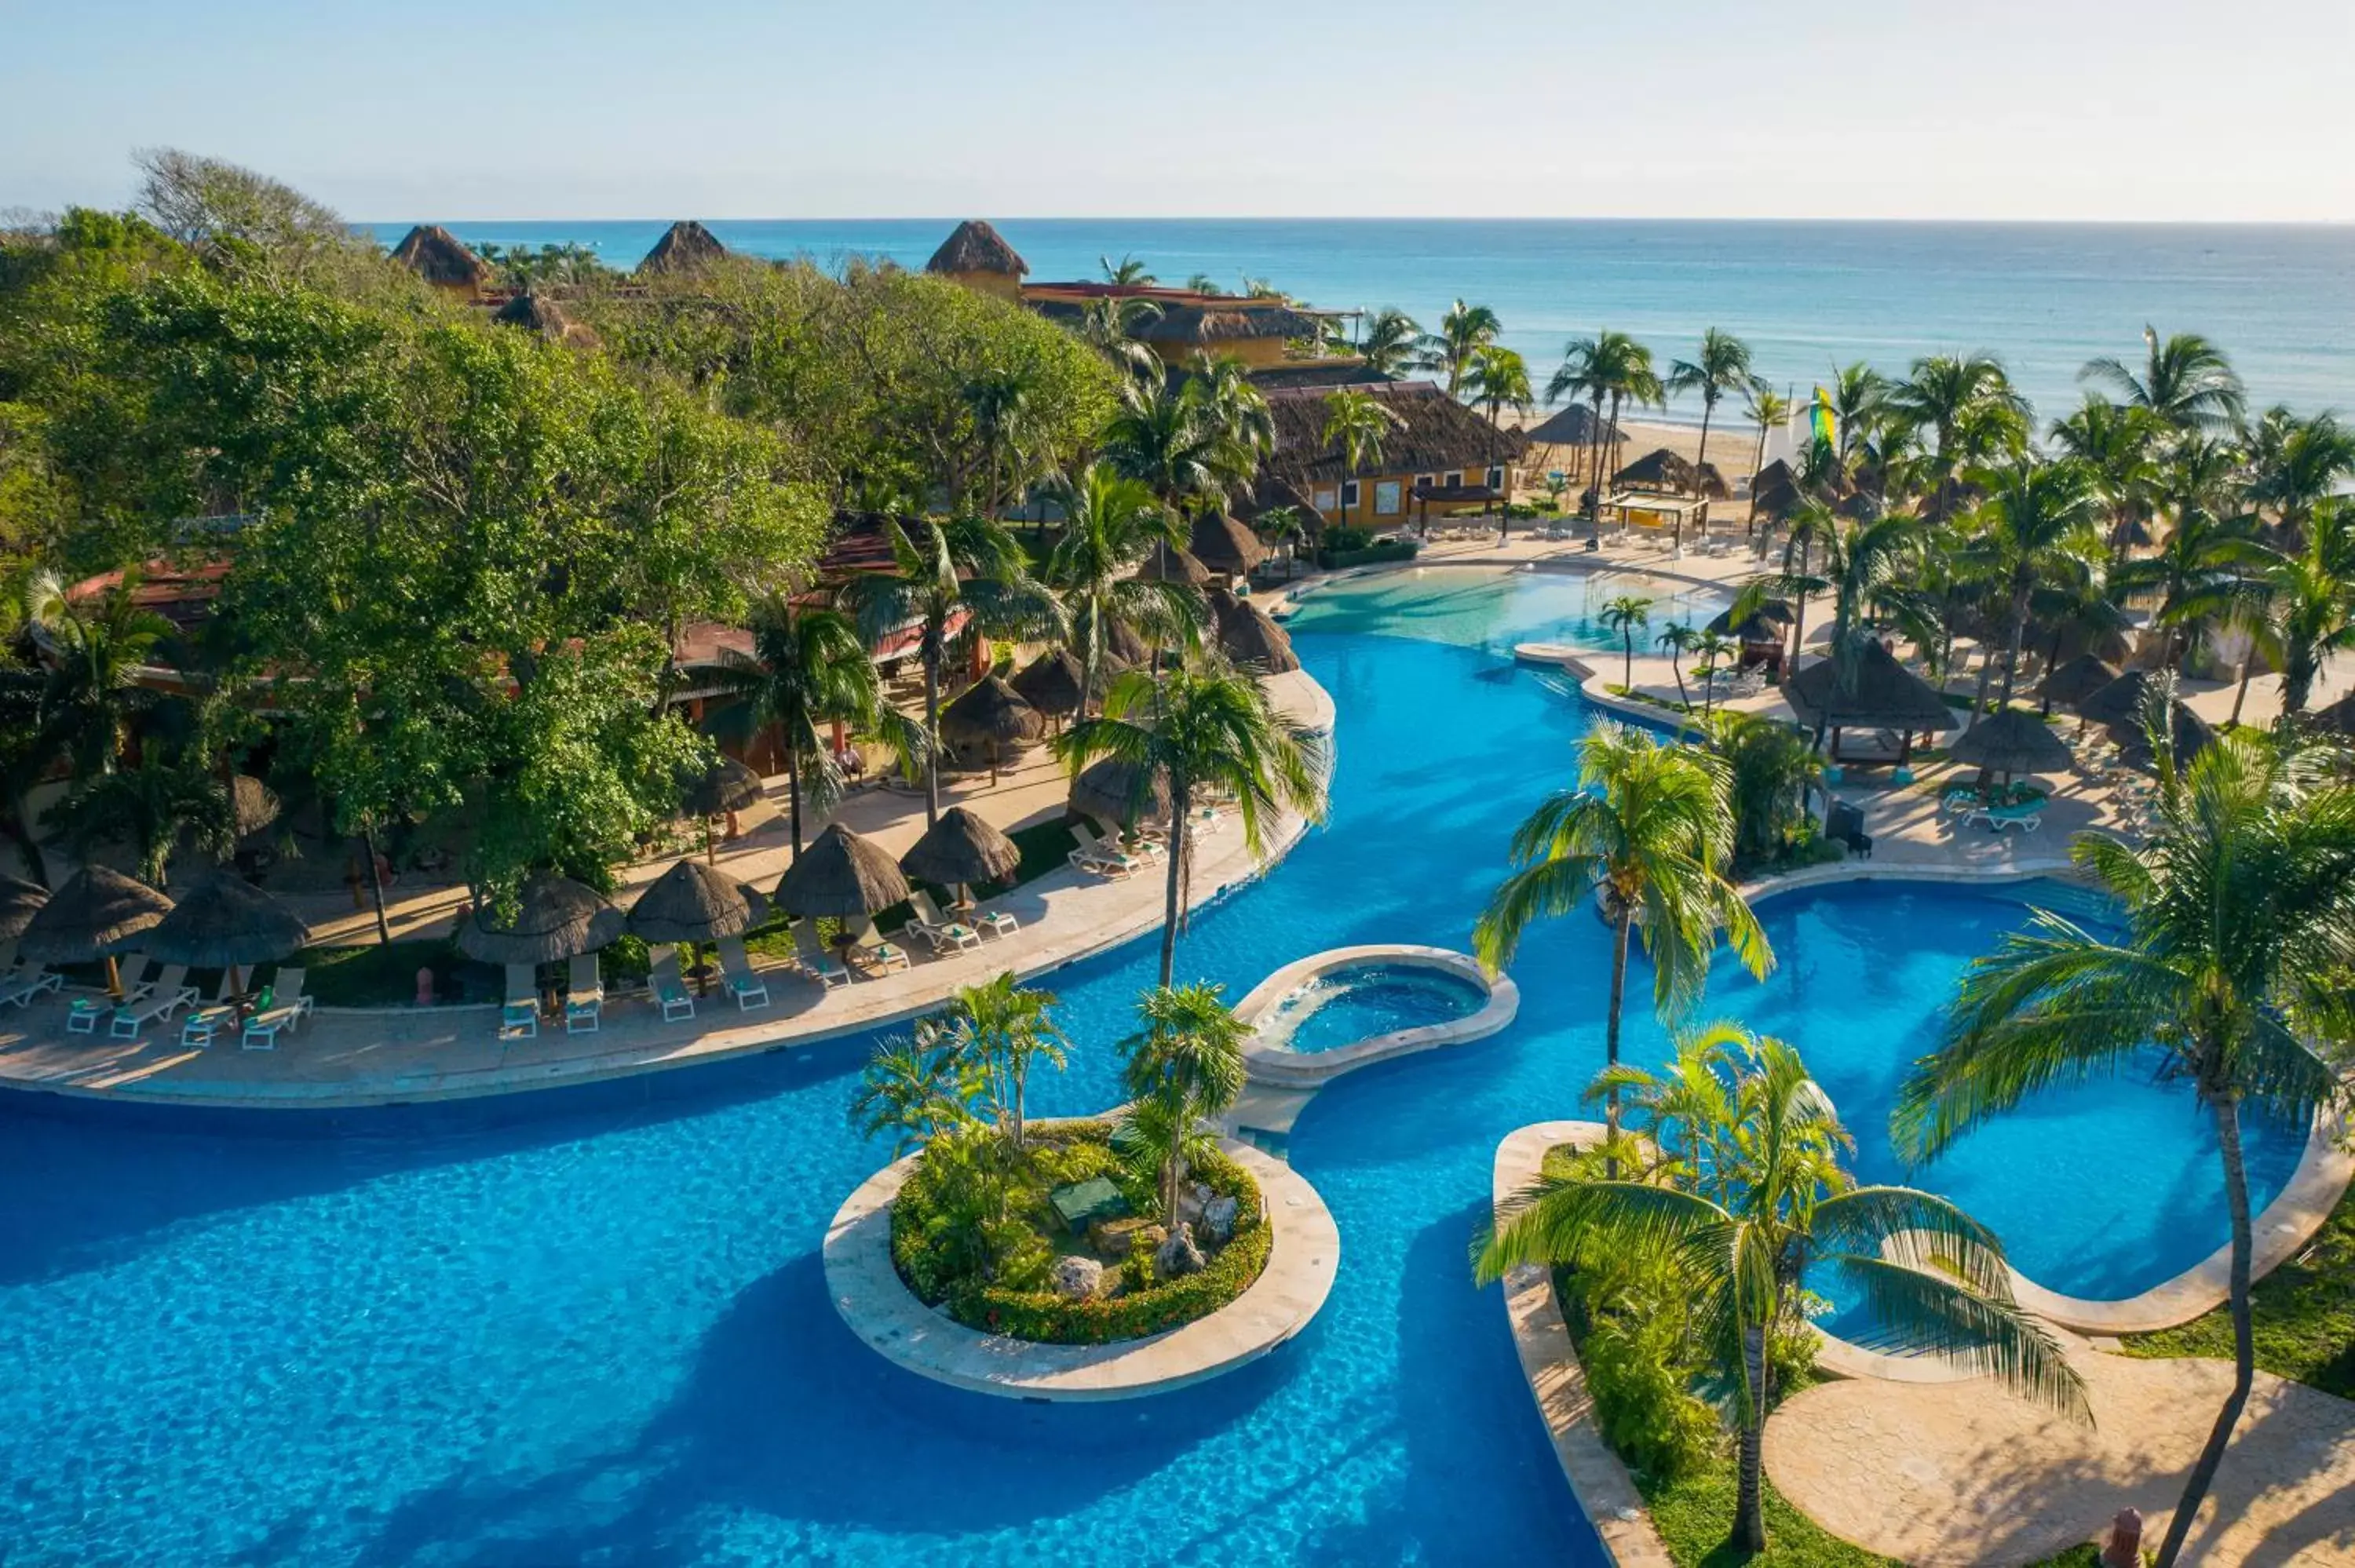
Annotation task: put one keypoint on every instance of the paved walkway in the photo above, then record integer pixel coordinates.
(1965, 1474)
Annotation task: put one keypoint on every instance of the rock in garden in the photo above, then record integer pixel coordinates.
(1077, 1279)
(1179, 1255)
(1219, 1218)
(1192, 1200)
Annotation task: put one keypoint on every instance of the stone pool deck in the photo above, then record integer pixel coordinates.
(885, 1314)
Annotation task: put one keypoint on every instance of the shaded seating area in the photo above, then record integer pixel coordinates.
(1762, 632)
(693, 905)
(226, 923)
(555, 921)
(843, 876)
(956, 851)
(991, 715)
(1868, 690)
(1251, 637)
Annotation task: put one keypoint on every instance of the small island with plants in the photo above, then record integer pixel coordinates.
(1071, 1232)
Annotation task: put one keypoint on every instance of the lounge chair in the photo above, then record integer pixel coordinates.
(669, 989)
(204, 1025)
(584, 1001)
(519, 1018)
(738, 977)
(170, 994)
(284, 1007)
(995, 922)
(1090, 857)
(887, 954)
(28, 983)
(937, 928)
(816, 959)
(84, 1013)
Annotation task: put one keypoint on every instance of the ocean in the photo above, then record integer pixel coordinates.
(2044, 298)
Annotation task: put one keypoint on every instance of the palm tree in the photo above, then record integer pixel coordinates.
(1238, 415)
(916, 1087)
(1463, 331)
(1721, 367)
(1183, 1067)
(1753, 1197)
(2196, 573)
(1164, 435)
(809, 668)
(1952, 397)
(1207, 729)
(2238, 924)
(92, 693)
(1127, 272)
(2185, 381)
(1356, 422)
(2119, 445)
(1000, 404)
(152, 808)
(1858, 393)
(1770, 411)
(1111, 523)
(1771, 769)
(1388, 343)
(2296, 464)
(1872, 571)
(1498, 380)
(1002, 1029)
(1714, 648)
(1649, 829)
(2036, 525)
(1624, 616)
(1678, 640)
(953, 581)
(2314, 601)
(1109, 326)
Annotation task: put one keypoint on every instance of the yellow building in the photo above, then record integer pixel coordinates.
(1439, 458)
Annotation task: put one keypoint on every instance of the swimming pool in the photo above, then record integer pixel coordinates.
(1492, 608)
(591, 1326)
(1347, 1005)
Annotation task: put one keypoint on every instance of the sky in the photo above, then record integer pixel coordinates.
(2153, 110)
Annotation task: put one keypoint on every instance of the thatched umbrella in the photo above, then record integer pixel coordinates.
(991, 714)
(959, 849)
(1662, 469)
(438, 257)
(88, 916)
(726, 786)
(693, 903)
(685, 246)
(19, 902)
(2118, 702)
(556, 918)
(1119, 792)
(254, 803)
(1123, 649)
(1170, 564)
(1767, 623)
(1251, 636)
(224, 922)
(975, 247)
(1875, 692)
(2013, 741)
(842, 876)
(1775, 490)
(1051, 683)
(534, 311)
(2070, 683)
(2189, 734)
(1225, 546)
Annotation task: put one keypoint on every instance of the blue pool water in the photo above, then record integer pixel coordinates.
(1350, 1005)
(591, 1326)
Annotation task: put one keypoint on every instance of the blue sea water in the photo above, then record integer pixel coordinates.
(2045, 297)
(591, 1326)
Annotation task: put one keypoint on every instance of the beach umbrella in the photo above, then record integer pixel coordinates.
(98, 908)
(19, 902)
(555, 918)
(1775, 490)
(990, 714)
(224, 922)
(1251, 636)
(961, 848)
(2070, 682)
(2013, 741)
(1112, 790)
(843, 875)
(1223, 545)
(726, 785)
(1051, 683)
(2189, 733)
(693, 903)
(1123, 649)
(1170, 564)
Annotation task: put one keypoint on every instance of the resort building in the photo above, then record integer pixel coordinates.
(1439, 457)
(438, 257)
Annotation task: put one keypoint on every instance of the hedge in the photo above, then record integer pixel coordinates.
(1372, 555)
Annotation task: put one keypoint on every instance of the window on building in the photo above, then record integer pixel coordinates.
(1496, 477)
(1326, 501)
(1425, 480)
(1387, 500)
(1349, 495)
(1455, 480)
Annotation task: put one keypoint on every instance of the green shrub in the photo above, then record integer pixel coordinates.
(1643, 1398)
(1334, 559)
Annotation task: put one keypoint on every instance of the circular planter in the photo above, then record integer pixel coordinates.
(876, 1302)
(1274, 1063)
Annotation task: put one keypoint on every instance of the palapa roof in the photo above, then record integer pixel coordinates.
(1432, 433)
(556, 918)
(85, 919)
(2119, 702)
(19, 902)
(535, 312)
(1882, 694)
(961, 848)
(223, 923)
(1121, 793)
(2072, 682)
(1237, 321)
(693, 902)
(685, 246)
(1662, 469)
(437, 256)
(1172, 564)
(1272, 491)
(1767, 623)
(1224, 545)
(1574, 425)
(1775, 489)
(2013, 741)
(1051, 683)
(990, 710)
(2189, 734)
(841, 876)
(255, 803)
(975, 247)
(1326, 374)
(726, 786)
(1251, 637)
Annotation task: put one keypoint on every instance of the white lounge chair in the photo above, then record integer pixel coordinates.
(816, 959)
(937, 928)
(1095, 854)
(994, 922)
(888, 955)
(585, 1001)
(167, 996)
(204, 1025)
(669, 989)
(519, 1018)
(28, 983)
(288, 1007)
(738, 977)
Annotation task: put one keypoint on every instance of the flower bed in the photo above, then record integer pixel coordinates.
(1016, 1299)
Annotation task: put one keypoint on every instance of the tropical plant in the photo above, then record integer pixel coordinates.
(1108, 325)
(1965, 401)
(1387, 342)
(1859, 395)
(914, 1087)
(2036, 527)
(1111, 523)
(1722, 365)
(2314, 601)
(152, 808)
(1623, 618)
(2239, 922)
(999, 405)
(1128, 272)
(2296, 464)
(1609, 367)
(1714, 648)
(1498, 379)
(1754, 1197)
(1184, 1066)
(1770, 768)
(1464, 331)
(1770, 411)
(953, 581)
(2185, 380)
(2195, 574)
(1000, 1030)
(1871, 571)
(2119, 445)
(1357, 422)
(1649, 829)
(92, 693)
(1201, 728)
(1678, 642)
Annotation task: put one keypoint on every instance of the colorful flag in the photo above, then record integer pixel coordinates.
(1827, 424)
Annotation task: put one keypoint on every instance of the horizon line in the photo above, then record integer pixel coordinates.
(1370, 218)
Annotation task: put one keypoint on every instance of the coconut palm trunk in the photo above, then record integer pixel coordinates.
(2019, 632)
(1175, 892)
(931, 726)
(1623, 928)
(1750, 1502)
(1700, 462)
(794, 795)
(2226, 1108)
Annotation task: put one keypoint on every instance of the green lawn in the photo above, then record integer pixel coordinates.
(1695, 1515)
(2304, 1316)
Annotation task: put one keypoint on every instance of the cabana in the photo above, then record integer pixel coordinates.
(990, 714)
(1121, 793)
(2013, 741)
(1762, 634)
(1052, 682)
(1225, 546)
(1251, 637)
(1873, 692)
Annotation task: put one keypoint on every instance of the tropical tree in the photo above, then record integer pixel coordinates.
(1111, 523)
(1000, 404)
(1127, 272)
(2185, 380)
(1871, 571)
(1770, 769)
(1623, 617)
(1612, 369)
(1388, 342)
(2314, 601)
(2296, 464)
(809, 670)
(1463, 331)
(2036, 526)
(951, 581)
(1752, 1197)
(93, 694)
(2119, 445)
(2238, 923)
(1163, 435)
(1678, 642)
(1859, 398)
(1184, 1066)
(2196, 575)
(1002, 1030)
(1357, 422)
(917, 1086)
(1108, 325)
(1202, 729)
(152, 808)
(1721, 367)
(1498, 380)
(1714, 648)
(1962, 400)
(1770, 411)
(1648, 829)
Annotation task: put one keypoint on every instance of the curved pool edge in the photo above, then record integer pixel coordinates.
(886, 1315)
(1284, 1069)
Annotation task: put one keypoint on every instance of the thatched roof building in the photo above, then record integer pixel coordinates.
(842, 876)
(1573, 427)
(1051, 683)
(975, 247)
(224, 922)
(1663, 470)
(990, 712)
(19, 902)
(2073, 681)
(436, 254)
(1434, 434)
(1121, 793)
(1251, 637)
(535, 312)
(1173, 563)
(1775, 490)
(684, 247)
(1877, 692)
(1208, 327)
(1225, 546)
